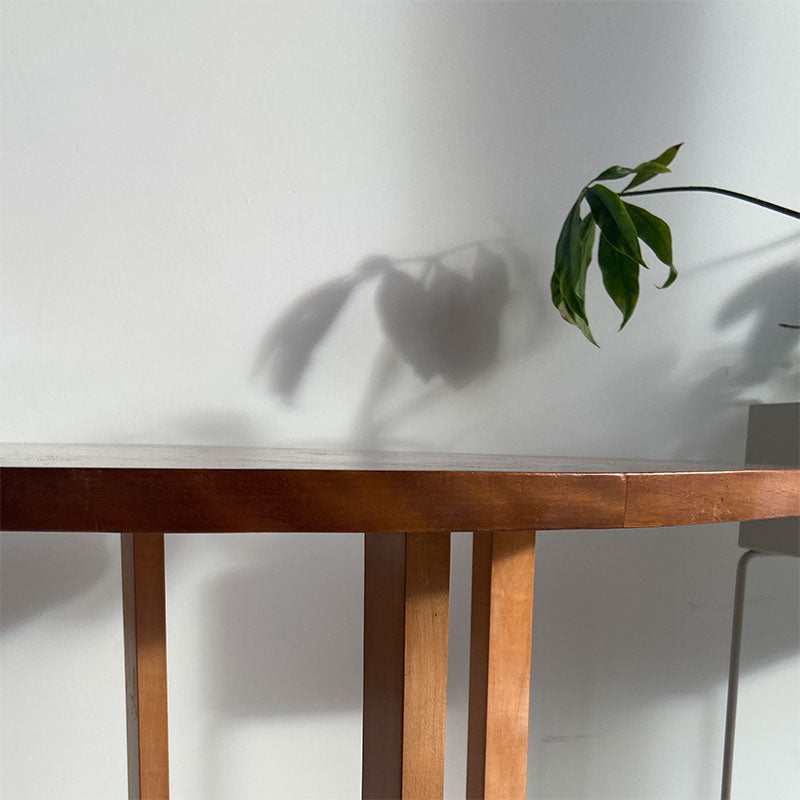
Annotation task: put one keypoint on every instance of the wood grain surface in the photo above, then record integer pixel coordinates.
(370, 492)
(500, 664)
(190, 501)
(144, 624)
(654, 500)
(406, 602)
(384, 665)
(425, 697)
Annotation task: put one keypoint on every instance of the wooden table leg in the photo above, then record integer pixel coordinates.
(500, 664)
(406, 612)
(145, 629)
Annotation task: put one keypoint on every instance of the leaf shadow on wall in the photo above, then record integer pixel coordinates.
(766, 355)
(442, 318)
(771, 301)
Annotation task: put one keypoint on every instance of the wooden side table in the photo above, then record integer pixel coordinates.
(407, 505)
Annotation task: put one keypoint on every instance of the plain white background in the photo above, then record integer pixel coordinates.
(174, 176)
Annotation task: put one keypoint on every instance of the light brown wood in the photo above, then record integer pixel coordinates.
(144, 623)
(425, 696)
(686, 499)
(500, 663)
(406, 611)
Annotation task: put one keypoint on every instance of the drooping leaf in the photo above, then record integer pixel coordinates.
(655, 233)
(614, 221)
(555, 289)
(656, 166)
(673, 274)
(572, 288)
(587, 243)
(572, 260)
(582, 324)
(620, 277)
(567, 253)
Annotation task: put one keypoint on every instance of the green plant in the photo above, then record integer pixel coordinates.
(621, 226)
(441, 312)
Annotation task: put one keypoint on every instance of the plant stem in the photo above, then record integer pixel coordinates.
(789, 212)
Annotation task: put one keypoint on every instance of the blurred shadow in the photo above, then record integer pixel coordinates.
(288, 346)
(295, 650)
(444, 323)
(283, 634)
(636, 623)
(221, 427)
(767, 301)
(759, 250)
(41, 570)
(441, 317)
(714, 408)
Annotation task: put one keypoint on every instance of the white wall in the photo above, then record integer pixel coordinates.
(174, 176)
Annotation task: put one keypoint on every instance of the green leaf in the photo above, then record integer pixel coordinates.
(555, 289)
(620, 277)
(612, 173)
(655, 233)
(582, 324)
(568, 255)
(614, 221)
(668, 155)
(587, 243)
(645, 171)
(573, 255)
(673, 273)
(656, 166)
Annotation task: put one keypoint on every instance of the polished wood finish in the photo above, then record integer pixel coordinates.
(654, 500)
(144, 624)
(215, 501)
(425, 695)
(500, 663)
(406, 603)
(85, 488)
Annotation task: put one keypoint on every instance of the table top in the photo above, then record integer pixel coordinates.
(102, 456)
(239, 489)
